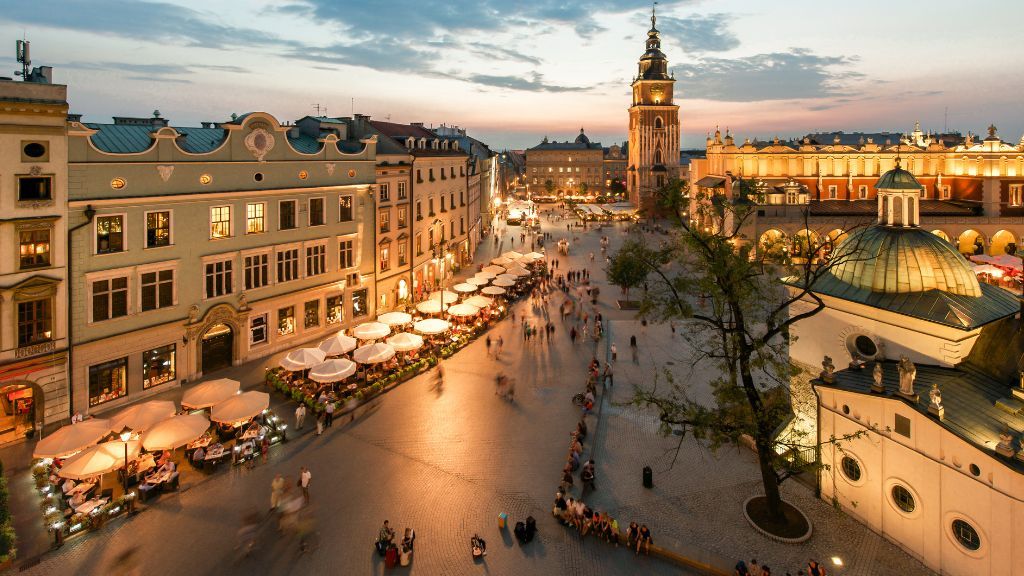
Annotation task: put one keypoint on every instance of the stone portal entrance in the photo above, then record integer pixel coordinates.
(217, 344)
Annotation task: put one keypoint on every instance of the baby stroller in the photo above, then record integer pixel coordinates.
(478, 546)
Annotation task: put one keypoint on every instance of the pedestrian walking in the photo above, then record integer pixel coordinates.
(276, 491)
(501, 344)
(300, 416)
(304, 477)
(329, 414)
(615, 352)
(320, 423)
(609, 378)
(264, 448)
(488, 341)
(632, 341)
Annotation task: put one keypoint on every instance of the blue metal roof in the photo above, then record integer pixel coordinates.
(128, 139)
(305, 144)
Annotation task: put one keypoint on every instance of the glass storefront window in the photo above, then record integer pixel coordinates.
(258, 329)
(311, 316)
(158, 366)
(108, 381)
(335, 309)
(286, 321)
(359, 303)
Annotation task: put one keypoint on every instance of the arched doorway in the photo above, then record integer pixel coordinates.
(773, 244)
(941, 234)
(218, 345)
(971, 242)
(1000, 240)
(19, 404)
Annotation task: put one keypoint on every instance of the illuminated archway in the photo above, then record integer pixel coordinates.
(1000, 240)
(971, 242)
(773, 244)
(941, 234)
(804, 242)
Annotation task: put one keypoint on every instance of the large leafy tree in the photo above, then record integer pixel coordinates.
(628, 268)
(737, 299)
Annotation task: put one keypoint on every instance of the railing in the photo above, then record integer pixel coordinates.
(35, 349)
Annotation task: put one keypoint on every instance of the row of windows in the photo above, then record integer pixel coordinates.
(903, 499)
(445, 206)
(442, 172)
(384, 219)
(945, 192)
(569, 169)
(109, 380)
(111, 236)
(287, 321)
(384, 191)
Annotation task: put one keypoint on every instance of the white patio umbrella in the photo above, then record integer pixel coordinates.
(517, 272)
(97, 460)
(449, 296)
(503, 283)
(492, 270)
(479, 281)
(1008, 261)
(394, 318)
(72, 438)
(463, 310)
(371, 330)
(507, 276)
(493, 290)
(240, 408)
(431, 326)
(512, 255)
(405, 341)
(465, 287)
(175, 431)
(333, 370)
(987, 269)
(302, 359)
(209, 393)
(373, 353)
(338, 344)
(430, 306)
(143, 416)
(479, 301)
(501, 261)
(534, 256)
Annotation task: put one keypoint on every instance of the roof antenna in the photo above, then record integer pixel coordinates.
(320, 110)
(24, 58)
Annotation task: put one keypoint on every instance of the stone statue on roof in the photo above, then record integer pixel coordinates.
(935, 406)
(876, 376)
(907, 374)
(828, 370)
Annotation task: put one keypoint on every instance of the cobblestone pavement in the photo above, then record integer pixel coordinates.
(695, 505)
(444, 461)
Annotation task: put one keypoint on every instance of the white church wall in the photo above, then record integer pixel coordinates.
(937, 468)
(832, 332)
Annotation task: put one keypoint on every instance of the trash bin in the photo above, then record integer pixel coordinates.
(648, 477)
(502, 521)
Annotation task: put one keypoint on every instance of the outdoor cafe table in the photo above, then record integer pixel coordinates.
(216, 453)
(201, 442)
(89, 505)
(159, 477)
(251, 433)
(81, 488)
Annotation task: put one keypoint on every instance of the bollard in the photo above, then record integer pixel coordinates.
(648, 477)
(502, 520)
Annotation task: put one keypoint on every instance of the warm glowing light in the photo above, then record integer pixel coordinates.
(837, 560)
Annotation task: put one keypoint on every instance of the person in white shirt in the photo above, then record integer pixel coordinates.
(304, 477)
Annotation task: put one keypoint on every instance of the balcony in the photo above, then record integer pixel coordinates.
(35, 349)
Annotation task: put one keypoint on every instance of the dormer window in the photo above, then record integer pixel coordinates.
(444, 145)
(433, 144)
(423, 143)
(410, 143)
(455, 145)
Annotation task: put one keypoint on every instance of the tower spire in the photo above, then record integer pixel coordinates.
(654, 17)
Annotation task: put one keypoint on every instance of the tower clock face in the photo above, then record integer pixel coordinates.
(657, 91)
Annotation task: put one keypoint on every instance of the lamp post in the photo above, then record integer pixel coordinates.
(440, 253)
(126, 434)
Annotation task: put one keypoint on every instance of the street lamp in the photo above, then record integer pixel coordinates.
(126, 434)
(440, 253)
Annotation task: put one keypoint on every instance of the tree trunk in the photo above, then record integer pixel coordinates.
(763, 436)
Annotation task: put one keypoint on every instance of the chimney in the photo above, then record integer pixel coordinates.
(416, 124)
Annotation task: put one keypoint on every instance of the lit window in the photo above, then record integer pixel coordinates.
(311, 314)
(385, 256)
(34, 248)
(158, 366)
(385, 221)
(255, 220)
(286, 321)
(345, 209)
(851, 468)
(109, 234)
(108, 381)
(220, 222)
(359, 303)
(1016, 194)
(158, 229)
(402, 193)
(335, 309)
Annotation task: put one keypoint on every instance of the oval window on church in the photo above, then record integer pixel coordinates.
(851, 469)
(862, 346)
(903, 499)
(966, 535)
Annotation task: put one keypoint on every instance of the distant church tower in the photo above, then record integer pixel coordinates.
(653, 126)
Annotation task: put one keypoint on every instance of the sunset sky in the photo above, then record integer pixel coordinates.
(512, 72)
